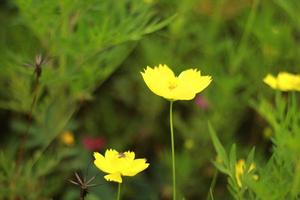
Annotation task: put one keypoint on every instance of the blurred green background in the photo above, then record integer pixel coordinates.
(91, 86)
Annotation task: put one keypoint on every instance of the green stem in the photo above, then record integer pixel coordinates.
(173, 151)
(119, 192)
(212, 185)
(241, 50)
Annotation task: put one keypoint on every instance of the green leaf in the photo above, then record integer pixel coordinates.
(232, 158)
(250, 157)
(159, 25)
(217, 144)
(222, 168)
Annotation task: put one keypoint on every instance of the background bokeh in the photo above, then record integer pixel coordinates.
(91, 86)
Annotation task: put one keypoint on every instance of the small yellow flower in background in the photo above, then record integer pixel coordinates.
(162, 82)
(67, 138)
(284, 81)
(240, 170)
(189, 144)
(119, 164)
(268, 133)
(148, 1)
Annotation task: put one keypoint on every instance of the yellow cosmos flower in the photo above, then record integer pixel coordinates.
(240, 170)
(119, 164)
(67, 138)
(162, 82)
(284, 81)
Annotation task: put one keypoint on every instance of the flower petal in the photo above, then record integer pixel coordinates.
(190, 82)
(102, 163)
(270, 80)
(116, 177)
(287, 81)
(158, 78)
(130, 155)
(182, 92)
(136, 166)
(111, 153)
(193, 80)
(239, 171)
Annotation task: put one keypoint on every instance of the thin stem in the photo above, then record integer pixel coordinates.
(25, 136)
(212, 185)
(249, 25)
(119, 192)
(173, 150)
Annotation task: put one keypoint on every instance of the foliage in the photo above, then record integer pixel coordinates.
(282, 166)
(84, 42)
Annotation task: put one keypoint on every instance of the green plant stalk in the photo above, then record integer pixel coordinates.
(242, 44)
(24, 139)
(119, 192)
(212, 185)
(173, 151)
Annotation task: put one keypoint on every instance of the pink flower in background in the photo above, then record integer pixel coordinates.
(93, 143)
(202, 102)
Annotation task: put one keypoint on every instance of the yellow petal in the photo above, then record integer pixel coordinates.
(102, 163)
(182, 92)
(116, 177)
(271, 81)
(158, 78)
(190, 82)
(287, 81)
(136, 166)
(239, 170)
(111, 154)
(252, 167)
(129, 155)
(192, 78)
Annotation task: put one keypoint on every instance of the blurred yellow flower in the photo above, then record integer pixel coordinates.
(189, 144)
(284, 81)
(240, 170)
(67, 138)
(119, 164)
(162, 82)
(148, 1)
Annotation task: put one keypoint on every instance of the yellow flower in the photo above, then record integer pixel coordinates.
(189, 144)
(162, 82)
(67, 138)
(284, 81)
(240, 170)
(119, 164)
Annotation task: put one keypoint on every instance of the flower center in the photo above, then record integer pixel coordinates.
(121, 155)
(172, 84)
